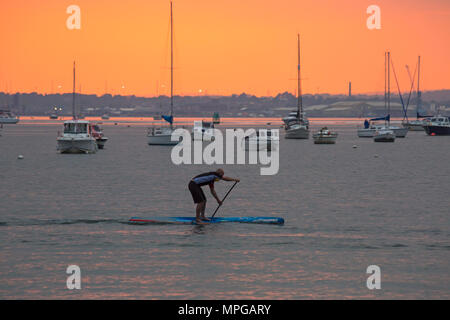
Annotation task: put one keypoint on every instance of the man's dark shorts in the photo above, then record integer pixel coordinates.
(197, 192)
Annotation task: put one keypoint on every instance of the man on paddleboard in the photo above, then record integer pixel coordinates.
(195, 187)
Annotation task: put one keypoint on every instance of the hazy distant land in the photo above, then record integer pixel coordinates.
(243, 105)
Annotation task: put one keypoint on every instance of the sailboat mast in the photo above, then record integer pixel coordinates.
(299, 89)
(419, 94)
(389, 85)
(385, 81)
(73, 94)
(171, 61)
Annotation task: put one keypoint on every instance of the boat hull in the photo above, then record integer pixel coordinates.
(369, 133)
(297, 133)
(101, 142)
(161, 140)
(437, 130)
(191, 220)
(325, 139)
(65, 145)
(413, 126)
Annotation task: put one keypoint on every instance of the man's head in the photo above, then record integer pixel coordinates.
(220, 172)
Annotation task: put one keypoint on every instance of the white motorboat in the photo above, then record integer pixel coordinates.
(203, 131)
(384, 135)
(76, 138)
(6, 117)
(262, 139)
(296, 125)
(325, 136)
(77, 135)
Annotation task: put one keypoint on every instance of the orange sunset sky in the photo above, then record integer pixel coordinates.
(221, 46)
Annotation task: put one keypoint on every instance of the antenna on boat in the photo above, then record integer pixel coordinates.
(73, 94)
(299, 88)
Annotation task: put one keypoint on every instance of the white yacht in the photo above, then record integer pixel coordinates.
(6, 117)
(77, 134)
(296, 125)
(76, 138)
(203, 131)
(163, 135)
(262, 139)
(325, 136)
(370, 127)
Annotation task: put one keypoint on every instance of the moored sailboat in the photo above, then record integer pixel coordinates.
(163, 135)
(296, 125)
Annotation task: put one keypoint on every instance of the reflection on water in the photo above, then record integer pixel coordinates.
(344, 208)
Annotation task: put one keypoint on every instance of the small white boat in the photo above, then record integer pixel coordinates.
(384, 135)
(325, 136)
(105, 117)
(161, 136)
(97, 133)
(262, 139)
(203, 131)
(6, 117)
(76, 138)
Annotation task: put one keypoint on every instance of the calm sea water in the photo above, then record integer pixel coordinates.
(345, 209)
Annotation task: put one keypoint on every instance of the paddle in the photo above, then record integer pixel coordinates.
(224, 199)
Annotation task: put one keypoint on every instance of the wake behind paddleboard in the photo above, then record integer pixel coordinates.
(191, 220)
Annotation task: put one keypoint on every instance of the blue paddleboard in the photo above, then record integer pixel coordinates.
(191, 220)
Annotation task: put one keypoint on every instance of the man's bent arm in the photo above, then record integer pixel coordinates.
(230, 179)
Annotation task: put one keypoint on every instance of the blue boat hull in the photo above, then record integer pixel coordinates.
(191, 220)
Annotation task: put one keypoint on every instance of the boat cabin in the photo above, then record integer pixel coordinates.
(77, 127)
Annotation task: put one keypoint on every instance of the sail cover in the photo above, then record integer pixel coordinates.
(169, 119)
(387, 118)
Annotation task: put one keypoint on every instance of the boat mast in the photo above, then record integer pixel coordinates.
(389, 85)
(73, 94)
(299, 89)
(171, 63)
(419, 94)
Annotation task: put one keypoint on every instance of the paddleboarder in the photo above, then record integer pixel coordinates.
(195, 187)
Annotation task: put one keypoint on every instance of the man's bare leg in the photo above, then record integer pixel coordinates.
(200, 212)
